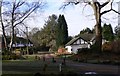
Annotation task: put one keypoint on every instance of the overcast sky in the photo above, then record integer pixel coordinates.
(76, 18)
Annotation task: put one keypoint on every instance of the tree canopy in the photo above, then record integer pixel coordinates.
(107, 32)
(87, 30)
(53, 34)
(117, 31)
(62, 31)
(46, 36)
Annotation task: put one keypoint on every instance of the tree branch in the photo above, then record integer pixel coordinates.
(73, 2)
(111, 9)
(104, 12)
(19, 4)
(115, 11)
(26, 15)
(104, 4)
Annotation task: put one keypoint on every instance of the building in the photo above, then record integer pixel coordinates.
(80, 42)
(19, 43)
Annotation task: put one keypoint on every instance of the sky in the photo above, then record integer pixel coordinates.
(77, 17)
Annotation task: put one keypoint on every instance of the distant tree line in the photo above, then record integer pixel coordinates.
(107, 32)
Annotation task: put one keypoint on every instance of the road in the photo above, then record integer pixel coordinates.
(37, 66)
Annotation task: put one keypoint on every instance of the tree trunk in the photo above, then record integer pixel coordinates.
(98, 29)
(4, 38)
(98, 37)
(27, 40)
(12, 26)
(3, 29)
(12, 40)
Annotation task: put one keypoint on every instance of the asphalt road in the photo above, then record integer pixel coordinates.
(11, 67)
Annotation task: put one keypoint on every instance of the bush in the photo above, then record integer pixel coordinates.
(12, 56)
(116, 46)
(6, 57)
(83, 50)
(107, 47)
(93, 49)
(111, 47)
(62, 50)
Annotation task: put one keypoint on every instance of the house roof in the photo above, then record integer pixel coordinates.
(86, 37)
(17, 39)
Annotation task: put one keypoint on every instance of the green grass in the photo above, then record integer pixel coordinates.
(18, 75)
(17, 61)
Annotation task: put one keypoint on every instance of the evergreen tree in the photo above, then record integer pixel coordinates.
(58, 32)
(87, 30)
(107, 32)
(117, 31)
(65, 30)
(62, 31)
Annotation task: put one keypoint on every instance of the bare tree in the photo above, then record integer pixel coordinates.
(16, 12)
(3, 27)
(97, 7)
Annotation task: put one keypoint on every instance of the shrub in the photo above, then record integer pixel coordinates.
(83, 50)
(94, 48)
(6, 57)
(116, 46)
(113, 47)
(107, 47)
(62, 50)
(12, 56)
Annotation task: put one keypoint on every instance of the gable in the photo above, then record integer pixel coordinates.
(79, 41)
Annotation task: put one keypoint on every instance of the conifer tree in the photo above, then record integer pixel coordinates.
(107, 32)
(62, 31)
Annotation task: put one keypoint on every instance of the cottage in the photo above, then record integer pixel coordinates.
(19, 43)
(80, 42)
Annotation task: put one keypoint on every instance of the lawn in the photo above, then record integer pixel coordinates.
(31, 66)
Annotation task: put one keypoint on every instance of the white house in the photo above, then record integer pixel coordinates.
(82, 41)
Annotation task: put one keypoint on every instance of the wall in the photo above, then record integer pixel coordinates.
(69, 49)
(76, 47)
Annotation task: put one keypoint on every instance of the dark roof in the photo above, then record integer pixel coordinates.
(72, 41)
(17, 40)
(86, 37)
